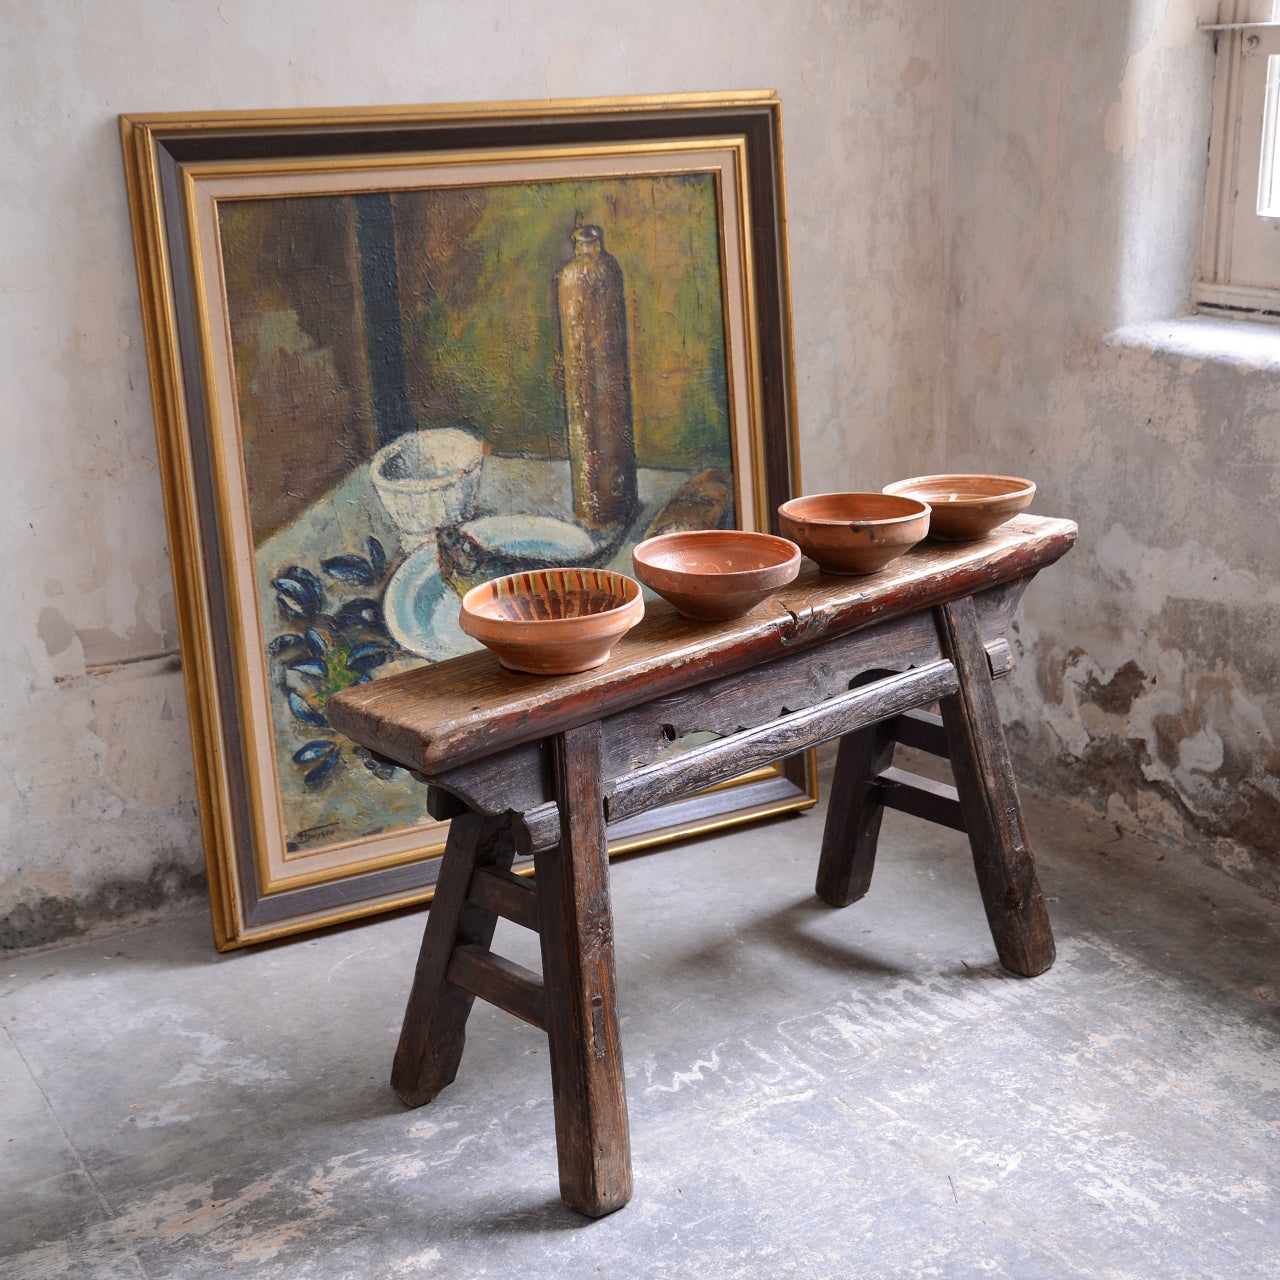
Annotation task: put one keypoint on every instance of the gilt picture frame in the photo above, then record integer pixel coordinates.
(363, 346)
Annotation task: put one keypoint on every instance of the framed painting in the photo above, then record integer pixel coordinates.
(369, 334)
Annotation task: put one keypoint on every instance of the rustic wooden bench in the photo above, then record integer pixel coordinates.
(537, 766)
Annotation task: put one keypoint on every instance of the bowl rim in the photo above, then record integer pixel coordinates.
(721, 576)
(463, 529)
(1019, 487)
(379, 460)
(824, 521)
(523, 630)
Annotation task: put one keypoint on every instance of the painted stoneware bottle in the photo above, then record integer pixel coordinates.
(597, 383)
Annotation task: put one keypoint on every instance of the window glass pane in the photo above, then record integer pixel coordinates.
(1269, 174)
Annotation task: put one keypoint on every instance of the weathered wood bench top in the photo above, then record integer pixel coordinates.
(448, 714)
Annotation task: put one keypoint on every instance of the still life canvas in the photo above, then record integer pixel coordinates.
(417, 372)
(385, 478)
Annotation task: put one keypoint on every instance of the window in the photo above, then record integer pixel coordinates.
(1240, 258)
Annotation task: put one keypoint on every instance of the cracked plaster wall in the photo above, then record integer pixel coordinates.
(97, 797)
(1148, 685)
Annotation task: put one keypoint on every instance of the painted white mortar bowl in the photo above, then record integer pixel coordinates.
(428, 478)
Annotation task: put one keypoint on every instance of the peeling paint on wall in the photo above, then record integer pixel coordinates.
(148, 750)
(98, 805)
(56, 632)
(1148, 685)
(45, 910)
(913, 74)
(1180, 740)
(1053, 80)
(990, 350)
(1126, 126)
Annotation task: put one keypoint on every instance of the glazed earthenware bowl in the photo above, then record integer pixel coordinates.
(854, 532)
(967, 507)
(715, 574)
(552, 621)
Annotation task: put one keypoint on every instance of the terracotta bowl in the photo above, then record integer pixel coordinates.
(854, 532)
(967, 507)
(552, 621)
(715, 573)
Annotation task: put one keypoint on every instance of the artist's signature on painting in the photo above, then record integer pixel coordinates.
(312, 835)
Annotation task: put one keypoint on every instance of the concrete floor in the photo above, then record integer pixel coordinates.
(812, 1092)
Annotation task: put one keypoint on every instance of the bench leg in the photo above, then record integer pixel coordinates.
(854, 811)
(435, 1021)
(989, 800)
(575, 922)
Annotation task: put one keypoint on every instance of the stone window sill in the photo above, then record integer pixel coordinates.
(1243, 344)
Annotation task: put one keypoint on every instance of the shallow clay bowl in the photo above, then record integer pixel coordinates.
(854, 532)
(552, 622)
(967, 507)
(715, 573)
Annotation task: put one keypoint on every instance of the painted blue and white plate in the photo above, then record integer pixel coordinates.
(421, 611)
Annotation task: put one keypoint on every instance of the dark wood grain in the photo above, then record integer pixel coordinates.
(576, 926)
(921, 797)
(988, 796)
(999, 658)
(538, 828)
(714, 762)
(508, 895)
(854, 811)
(919, 729)
(434, 1028)
(515, 779)
(520, 777)
(442, 805)
(445, 715)
(731, 704)
(499, 981)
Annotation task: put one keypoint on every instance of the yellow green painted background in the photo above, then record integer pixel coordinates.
(476, 270)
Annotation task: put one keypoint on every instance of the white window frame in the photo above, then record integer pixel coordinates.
(1240, 253)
